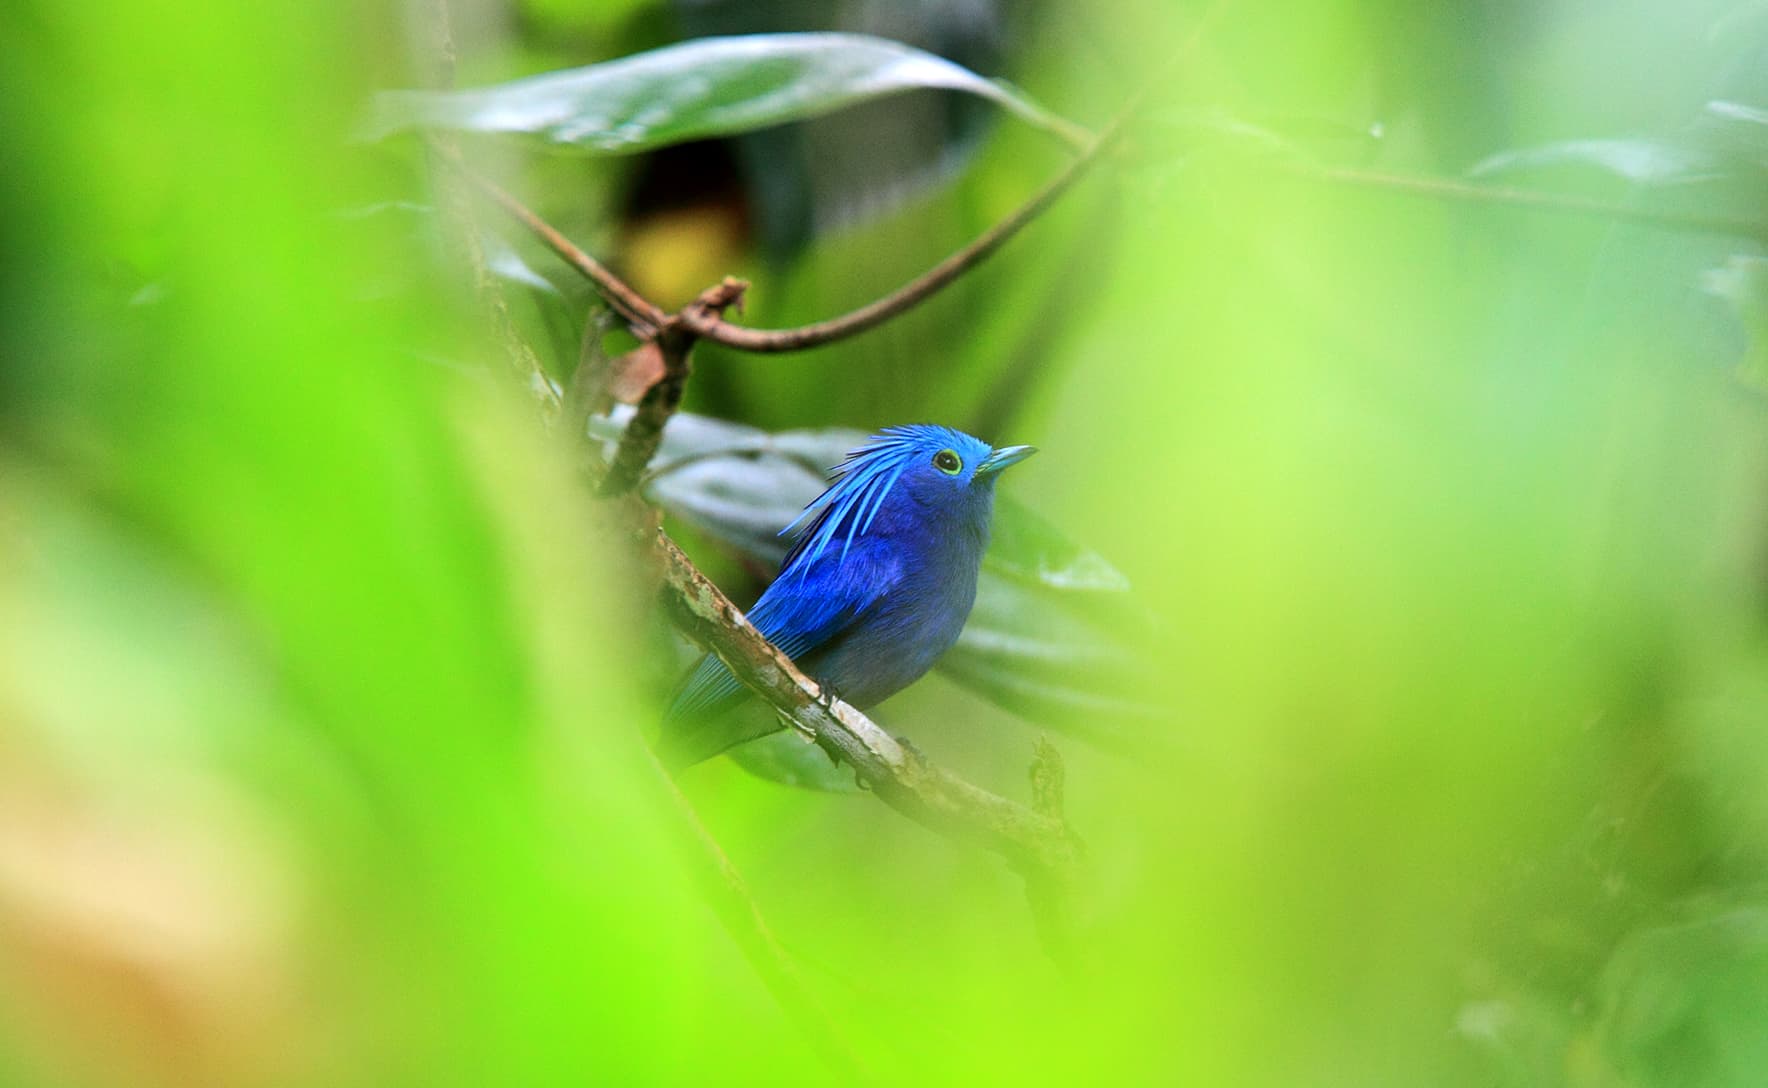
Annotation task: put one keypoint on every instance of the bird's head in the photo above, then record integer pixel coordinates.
(937, 477)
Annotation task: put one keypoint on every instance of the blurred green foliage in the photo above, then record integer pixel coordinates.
(322, 684)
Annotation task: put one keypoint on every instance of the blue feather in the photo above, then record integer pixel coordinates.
(911, 510)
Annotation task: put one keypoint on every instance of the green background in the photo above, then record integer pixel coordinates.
(323, 686)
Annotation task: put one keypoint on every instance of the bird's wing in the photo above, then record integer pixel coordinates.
(799, 612)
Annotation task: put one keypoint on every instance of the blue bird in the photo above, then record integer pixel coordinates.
(877, 585)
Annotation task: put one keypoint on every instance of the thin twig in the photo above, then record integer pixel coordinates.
(941, 275)
(1049, 779)
(1449, 189)
(1051, 900)
(644, 316)
(909, 295)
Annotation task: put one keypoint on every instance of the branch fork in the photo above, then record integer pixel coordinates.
(674, 338)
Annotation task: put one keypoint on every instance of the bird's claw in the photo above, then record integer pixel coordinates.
(828, 696)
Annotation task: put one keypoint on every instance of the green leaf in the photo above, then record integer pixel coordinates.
(1055, 635)
(694, 90)
(1030, 549)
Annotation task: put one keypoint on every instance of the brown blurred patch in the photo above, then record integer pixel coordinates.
(145, 938)
(631, 374)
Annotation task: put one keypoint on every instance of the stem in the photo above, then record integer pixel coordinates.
(675, 340)
(645, 316)
(1447, 189)
(909, 295)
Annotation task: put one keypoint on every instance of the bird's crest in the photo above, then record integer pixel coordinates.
(859, 486)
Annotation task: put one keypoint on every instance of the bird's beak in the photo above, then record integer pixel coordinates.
(1001, 458)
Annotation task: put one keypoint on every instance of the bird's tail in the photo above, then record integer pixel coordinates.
(707, 717)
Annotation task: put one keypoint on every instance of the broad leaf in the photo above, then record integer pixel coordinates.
(695, 90)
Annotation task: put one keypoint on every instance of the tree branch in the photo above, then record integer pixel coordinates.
(1040, 844)
(675, 341)
(909, 295)
(647, 318)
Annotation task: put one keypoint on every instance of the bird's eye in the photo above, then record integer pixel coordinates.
(947, 462)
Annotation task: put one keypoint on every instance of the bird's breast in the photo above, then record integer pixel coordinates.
(903, 635)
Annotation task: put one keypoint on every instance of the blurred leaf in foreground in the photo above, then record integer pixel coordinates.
(316, 757)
